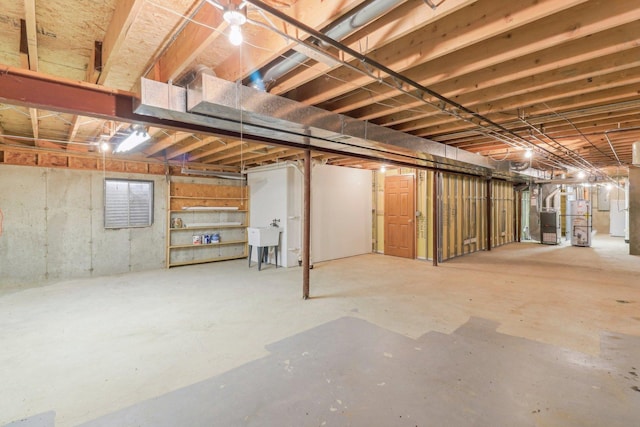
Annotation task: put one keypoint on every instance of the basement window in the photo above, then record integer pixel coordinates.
(128, 203)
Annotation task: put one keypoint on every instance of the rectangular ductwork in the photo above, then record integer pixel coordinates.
(220, 104)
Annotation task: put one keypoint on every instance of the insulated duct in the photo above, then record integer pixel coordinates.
(337, 31)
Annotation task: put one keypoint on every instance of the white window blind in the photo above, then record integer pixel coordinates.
(128, 204)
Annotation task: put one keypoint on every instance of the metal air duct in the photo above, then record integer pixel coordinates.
(549, 199)
(224, 106)
(220, 98)
(337, 31)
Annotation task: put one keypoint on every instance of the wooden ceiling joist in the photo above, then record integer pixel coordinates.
(558, 94)
(268, 155)
(218, 149)
(244, 149)
(123, 18)
(195, 37)
(507, 85)
(166, 141)
(31, 43)
(192, 146)
(565, 70)
(272, 44)
(453, 34)
(407, 18)
(541, 49)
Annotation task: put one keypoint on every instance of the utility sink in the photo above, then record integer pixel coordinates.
(263, 236)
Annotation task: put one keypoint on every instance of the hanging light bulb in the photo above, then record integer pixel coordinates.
(105, 146)
(235, 16)
(383, 169)
(581, 175)
(235, 35)
(528, 153)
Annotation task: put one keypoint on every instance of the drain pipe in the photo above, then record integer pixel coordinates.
(337, 31)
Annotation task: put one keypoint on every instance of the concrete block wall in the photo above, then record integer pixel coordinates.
(53, 227)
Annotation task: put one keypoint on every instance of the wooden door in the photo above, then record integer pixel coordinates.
(399, 214)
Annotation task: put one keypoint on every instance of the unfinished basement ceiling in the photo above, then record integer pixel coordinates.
(492, 77)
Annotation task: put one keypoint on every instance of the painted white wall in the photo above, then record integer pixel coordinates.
(341, 203)
(617, 212)
(295, 207)
(268, 196)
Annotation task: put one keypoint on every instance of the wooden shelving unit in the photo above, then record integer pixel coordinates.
(206, 210)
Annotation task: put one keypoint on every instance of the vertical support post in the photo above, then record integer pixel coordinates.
(306, 238)
(489, 215)
(518, 215)
(634, 210)
(434, 226)
(168, 229)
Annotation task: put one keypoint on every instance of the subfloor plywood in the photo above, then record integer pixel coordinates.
(527, 334)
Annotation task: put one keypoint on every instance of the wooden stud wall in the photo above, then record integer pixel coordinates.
(503, 213)
(462, 209)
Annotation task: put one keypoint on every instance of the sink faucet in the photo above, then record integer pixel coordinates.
(274, 222)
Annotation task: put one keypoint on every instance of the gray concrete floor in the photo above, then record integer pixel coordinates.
(523, 335)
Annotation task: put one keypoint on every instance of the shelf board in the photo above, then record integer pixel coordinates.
(208, 227)
(208, 210)
(202, 261)
(209, 245)
(208, 198)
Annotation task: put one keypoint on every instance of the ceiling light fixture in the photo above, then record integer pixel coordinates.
(137, 136)
(581, 175)
(235, 16)
(235, 35)
(528, 153)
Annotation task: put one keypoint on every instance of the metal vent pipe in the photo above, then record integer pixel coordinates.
(337, 31)
(548, 201)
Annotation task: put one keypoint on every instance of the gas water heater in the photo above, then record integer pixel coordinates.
(580, 222)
